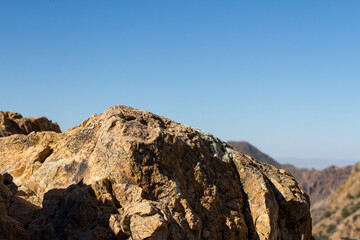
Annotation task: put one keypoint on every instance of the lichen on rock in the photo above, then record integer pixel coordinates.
(218, 148)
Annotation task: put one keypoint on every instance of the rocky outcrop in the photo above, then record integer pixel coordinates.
(16, 210)
(14, 123)
(319, 184)
(130, 174)
(342, 216)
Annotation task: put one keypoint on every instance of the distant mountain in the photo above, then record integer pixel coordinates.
(319, 184)
(252, 151)
(342, 216)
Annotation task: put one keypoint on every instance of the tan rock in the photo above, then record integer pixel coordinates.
(318, 184)
(130, 174)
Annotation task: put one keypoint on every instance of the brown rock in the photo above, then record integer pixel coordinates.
(14, 123)
(10, 228)
(130, 174)
(73, 213)
(320, 185)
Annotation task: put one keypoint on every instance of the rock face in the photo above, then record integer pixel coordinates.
(342, 216)
(130, 174)
(14, 123)
(10, 203)
(319, 184)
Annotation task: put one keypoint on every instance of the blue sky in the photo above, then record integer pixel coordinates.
(283, 75)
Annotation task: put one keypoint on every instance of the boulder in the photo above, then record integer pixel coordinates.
(131, 174)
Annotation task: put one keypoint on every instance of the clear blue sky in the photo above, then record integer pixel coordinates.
(283, 75)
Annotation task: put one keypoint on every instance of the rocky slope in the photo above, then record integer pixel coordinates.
(130, 174)
(342, 216)
(14, 123)
(319, 184)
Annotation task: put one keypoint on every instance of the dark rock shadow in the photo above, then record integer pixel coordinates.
(17, 206)
(252, 234)
(15, 210)
(73, 213)
(292, 215)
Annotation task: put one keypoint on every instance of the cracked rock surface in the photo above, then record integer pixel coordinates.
(131, 174)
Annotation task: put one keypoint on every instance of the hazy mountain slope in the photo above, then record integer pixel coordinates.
(342, 216)
(252, 151)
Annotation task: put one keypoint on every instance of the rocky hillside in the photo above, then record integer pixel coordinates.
(342, 216)
(130, 174)
(319, 184)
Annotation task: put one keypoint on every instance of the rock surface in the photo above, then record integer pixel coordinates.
(14, 123)
(130, 174)
(319, 184)
(11, 226)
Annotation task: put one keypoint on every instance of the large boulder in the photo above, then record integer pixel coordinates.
(130, 174)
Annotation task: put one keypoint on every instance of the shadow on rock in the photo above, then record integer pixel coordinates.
(78, 212)
(15, 210)
(73, 213)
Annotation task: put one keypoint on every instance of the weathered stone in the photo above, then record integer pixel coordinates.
(130, 174)
(320, 185)
(73, 213)
(11, 228)
(14, 123)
